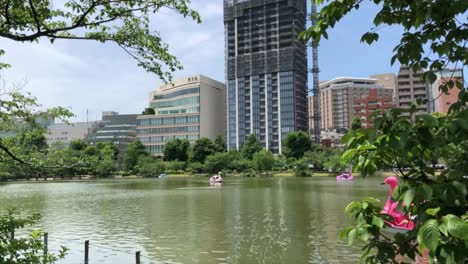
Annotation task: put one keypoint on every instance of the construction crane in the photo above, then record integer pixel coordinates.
(315, 72)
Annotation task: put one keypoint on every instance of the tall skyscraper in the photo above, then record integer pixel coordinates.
(266, 70)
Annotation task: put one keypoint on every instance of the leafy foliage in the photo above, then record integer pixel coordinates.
(148, 111)
(220, 144)
(218, 162)
(149, 166)
(176, 149)
(263, 161)
(434, 36)
(125, 23)
(295, 144)
(134, 151)
(23, 250)
(251, 146)
(201, 149)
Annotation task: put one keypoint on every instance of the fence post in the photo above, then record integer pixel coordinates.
(138, 257)
(86, 252)
(46, 241)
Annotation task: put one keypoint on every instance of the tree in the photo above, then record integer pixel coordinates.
(201, 149)
(125, 23)
(176, 166)
(149, 166)
(20, 249)
(106, 167)
(220, 144)
(134, 151)
(218, 162)
(295, 144)
(148, 111)
(263, 161)
(437, 200)
(251, 146)
(176, 149)
(77, 144)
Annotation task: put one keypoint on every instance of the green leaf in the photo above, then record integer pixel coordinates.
(345, 231)
(356, 205)
(408, 197)
(432, 211)
(351, 236)
(348, 155)
(428, 235)
(456, 227)
(377, 221)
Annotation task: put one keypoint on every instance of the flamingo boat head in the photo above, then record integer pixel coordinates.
(401, 221)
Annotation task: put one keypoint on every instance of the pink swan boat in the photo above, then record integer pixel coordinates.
(216, 178)
(345, 176)
(401, 221)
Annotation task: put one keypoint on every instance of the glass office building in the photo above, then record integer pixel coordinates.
(266, 70)
(188, 108)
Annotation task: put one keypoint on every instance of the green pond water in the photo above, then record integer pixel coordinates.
(186, 220)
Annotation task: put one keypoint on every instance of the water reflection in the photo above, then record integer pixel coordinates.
(274, 220)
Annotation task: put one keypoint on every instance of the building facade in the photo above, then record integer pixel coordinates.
(376, 100)
(266, 70)
(66, 133)
(115, 128)
(337, 98)
(411, 87)
(443, 101)
(189, 108)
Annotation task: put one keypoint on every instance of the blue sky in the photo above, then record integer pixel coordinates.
(85, 75)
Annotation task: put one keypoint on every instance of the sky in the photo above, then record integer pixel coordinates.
(90, 77)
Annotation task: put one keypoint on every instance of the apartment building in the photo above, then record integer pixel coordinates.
(411, 87)
(188, 108)
(337, 97)
(443, 101)
(376, 100)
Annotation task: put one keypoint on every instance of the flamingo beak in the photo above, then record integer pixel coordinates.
(383, 183)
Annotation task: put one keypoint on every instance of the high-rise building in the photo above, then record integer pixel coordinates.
(266, 70)
(337, 97)
(411, 87)
(188, 108)
(443, 101)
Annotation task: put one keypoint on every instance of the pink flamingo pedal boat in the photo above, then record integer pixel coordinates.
(216, 178)
(401, 222)
(345, 176)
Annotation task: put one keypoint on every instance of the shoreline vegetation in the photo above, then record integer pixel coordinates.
(174, 175)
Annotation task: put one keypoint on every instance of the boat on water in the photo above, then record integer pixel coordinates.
(345, 176)
(401, 222)
(216, 178)
(162, 176)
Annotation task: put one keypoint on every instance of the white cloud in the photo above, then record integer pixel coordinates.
(98, 77)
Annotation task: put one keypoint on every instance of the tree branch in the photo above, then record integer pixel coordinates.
(7, 14)
(7, 151)
(34, 15)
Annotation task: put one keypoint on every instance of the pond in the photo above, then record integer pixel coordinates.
(185, 220)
